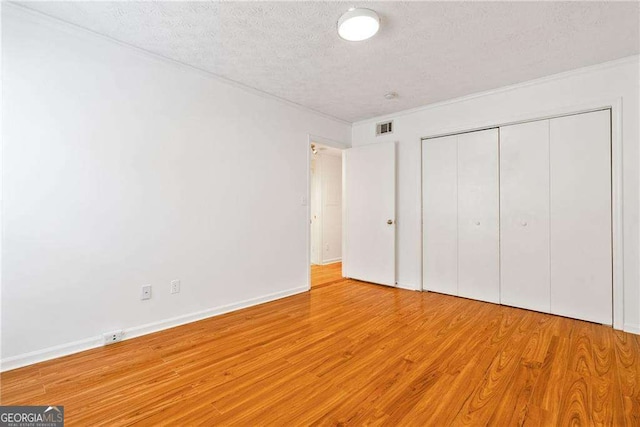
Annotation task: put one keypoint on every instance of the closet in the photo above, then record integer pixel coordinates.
(521, 215)
(461, 231)
(524, 220)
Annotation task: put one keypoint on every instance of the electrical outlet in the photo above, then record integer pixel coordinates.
(146, 292)
(175, 286)
(112, 337)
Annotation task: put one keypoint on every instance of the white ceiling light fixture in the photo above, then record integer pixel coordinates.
(358, 24)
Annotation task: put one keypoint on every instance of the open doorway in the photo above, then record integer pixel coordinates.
(325, 209)
(356, 188)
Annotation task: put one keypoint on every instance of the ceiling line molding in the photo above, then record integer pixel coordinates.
(559, 76)
(77, 30)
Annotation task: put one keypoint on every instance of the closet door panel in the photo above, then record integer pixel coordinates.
(478, 233)
(440, 213)
(581, 258)
(524, 216)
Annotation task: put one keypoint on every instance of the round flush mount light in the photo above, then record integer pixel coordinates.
(358, 24)
(391, 95)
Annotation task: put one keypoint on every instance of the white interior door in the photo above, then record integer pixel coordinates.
(524, 216)
(331, 185)
(478, 211)
(581, 258)
(440, 214)
(369, 213)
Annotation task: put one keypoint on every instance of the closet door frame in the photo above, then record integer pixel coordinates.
(617, 226)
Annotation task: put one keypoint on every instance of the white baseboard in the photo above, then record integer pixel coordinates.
(54, 352)
(331, 261)
(634, 329)
(406, 287)
(66, 349)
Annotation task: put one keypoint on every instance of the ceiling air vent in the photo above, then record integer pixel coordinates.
(384, 128)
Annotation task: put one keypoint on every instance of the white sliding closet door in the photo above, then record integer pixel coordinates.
(440, 214)
(527, 224)
(581, 258)
(524, 216)
(478, 223)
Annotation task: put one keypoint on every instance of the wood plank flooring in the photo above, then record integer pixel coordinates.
(323, 275)
(351, 353)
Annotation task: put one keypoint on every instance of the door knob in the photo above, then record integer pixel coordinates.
(389, 221)
(477, 222)
(524, 223)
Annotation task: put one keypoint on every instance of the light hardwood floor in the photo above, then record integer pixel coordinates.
(351, 353)
(323, 275)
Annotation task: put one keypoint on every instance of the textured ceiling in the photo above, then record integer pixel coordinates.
(425, 51)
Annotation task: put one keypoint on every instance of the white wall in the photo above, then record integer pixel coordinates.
(615, 80)
(122, 169)
(331, 179)
(315, 206)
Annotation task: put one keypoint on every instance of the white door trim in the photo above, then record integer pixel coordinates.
(617, 232)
